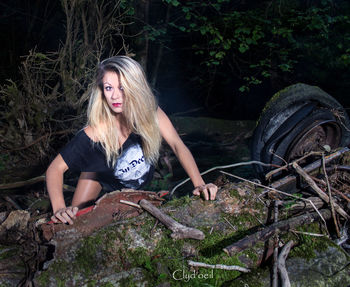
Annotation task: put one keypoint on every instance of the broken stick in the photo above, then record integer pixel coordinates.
(281, 264)
(218, 266)
(278, 227)
(318, 190)
(179, 231)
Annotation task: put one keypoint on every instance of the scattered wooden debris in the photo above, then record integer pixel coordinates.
(275, 228)
(318, 190)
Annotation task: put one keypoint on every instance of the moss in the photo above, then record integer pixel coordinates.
(85, 259)
(252, 279)
(58, 270)
(180, 201)
(307, 244)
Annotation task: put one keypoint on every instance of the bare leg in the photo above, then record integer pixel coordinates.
(87, 190)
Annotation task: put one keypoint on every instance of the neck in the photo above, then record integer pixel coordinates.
(121, 125)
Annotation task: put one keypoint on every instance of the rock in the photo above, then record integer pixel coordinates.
(329, 268)
(14, 227)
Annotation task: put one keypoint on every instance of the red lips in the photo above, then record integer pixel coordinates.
(117, 105)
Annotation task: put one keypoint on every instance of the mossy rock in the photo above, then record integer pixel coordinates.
(141, 252)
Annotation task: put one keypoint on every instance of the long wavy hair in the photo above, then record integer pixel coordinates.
(139, 109)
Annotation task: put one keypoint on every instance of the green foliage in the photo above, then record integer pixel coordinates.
(265, 40)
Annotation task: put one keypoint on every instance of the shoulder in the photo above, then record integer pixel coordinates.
(89, 131)
(161, 115)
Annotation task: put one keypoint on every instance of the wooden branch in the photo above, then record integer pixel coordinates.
(282, 264)
(332, 188)
(218, 266)
(130, 203)
(285, 167)
(22, 183)
(40, 139)
(278, 227)
(318, 190)
(275, 250)
(179, 231)
(330, 197)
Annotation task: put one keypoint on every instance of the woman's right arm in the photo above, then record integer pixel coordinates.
(54, 183)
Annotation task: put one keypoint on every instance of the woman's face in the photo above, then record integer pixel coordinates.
(113, 91)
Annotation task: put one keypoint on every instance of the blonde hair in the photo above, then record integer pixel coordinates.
(139, 109)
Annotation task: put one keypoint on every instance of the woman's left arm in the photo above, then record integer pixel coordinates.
(185, 157)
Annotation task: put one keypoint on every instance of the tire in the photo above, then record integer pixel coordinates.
(289, 115)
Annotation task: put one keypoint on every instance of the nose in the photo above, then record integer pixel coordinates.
(116, 94)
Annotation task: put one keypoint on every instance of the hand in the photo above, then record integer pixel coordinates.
(66, 214)
(206, 189)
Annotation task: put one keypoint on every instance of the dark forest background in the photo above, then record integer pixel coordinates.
(218, 58)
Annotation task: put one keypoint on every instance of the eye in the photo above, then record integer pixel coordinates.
(121, 88)
(108, 88)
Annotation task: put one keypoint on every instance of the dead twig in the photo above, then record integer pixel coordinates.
(318, 190)
(275, 250)
(330, 196)
(282, 264)
(320, 181)
(308, 233)
(229, 223)
(130, 203)
(179, 231)
(218, 266)
(22, 183)
(285, 167)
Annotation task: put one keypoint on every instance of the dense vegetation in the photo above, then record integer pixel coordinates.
(222, 54)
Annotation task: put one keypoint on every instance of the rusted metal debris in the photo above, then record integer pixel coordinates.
(106, 209)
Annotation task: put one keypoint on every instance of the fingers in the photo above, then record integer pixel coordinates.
(208, 191)
(65, 215)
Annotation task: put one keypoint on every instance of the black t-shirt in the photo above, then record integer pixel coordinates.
(130, 171)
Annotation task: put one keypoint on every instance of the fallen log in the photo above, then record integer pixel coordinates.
(318, 190)
(179, 231)
(275, 228)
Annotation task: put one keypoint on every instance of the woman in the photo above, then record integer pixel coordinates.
(120, 144)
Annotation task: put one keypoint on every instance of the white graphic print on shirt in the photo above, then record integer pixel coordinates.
(131, 167)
